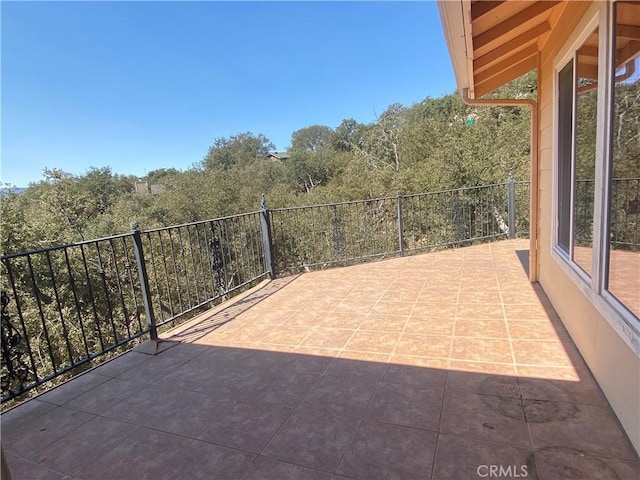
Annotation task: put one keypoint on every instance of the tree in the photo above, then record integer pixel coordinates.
(244, 147)
(311, 139)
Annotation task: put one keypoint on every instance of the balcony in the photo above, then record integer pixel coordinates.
(444, 365)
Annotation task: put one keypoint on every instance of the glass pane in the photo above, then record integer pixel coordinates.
(585, 151)
(565, 142)
(623, 279)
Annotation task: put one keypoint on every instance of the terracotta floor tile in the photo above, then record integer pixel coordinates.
(241, 424)
(358, 369)
(503, 385)
(392, 308)
(463, 458)
(204, 460)
(483, 367)
(564, 384)
(482, 296)
(340, 395)
(323, 304)
(481, 350)
(84, 445)
(430, 326)
(104, 396)
(306, 318)
(313, 439)
(487, 417)
(343, 320)
(415, 406)
(328, 338)
(186, 377)
(438, 296)
(552, 465)
(526, 312)
(281, 388)
(320, 352)
(481, 328)
(297, 362)
(424, 345)
(400, 295)
(371, 341)
(540, 352)
(25, 412)
(167, 409)
(358, 365)
(30, 437)
(288, 335)
(122, 363)
(21, 468)
(70, 390)
(526, 296)
(353, 306)
(365, 294)
(486, 311)
(434, 310)
(265, 468)
(382, 451)
(537, 330)
(385, 323)
(589, 429)
(423, 375)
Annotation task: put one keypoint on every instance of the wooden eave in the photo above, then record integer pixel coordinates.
(501, 39)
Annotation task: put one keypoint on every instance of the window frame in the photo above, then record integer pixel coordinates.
(593, 287)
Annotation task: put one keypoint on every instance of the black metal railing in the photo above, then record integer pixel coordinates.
(342, 233)
(66, 305)
(624, 222)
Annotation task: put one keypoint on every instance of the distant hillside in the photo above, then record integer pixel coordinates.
(4, 191)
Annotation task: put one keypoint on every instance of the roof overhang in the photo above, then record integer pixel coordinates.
(493, 42)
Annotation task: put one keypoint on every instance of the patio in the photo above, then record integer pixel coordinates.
(446, 365)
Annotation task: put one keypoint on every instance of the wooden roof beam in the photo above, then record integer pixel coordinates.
(632, 32)
(506, 76)
(588, 51)
(480, 9)
(506, 64)
(511, 46)
(511, 23)
(627, 53)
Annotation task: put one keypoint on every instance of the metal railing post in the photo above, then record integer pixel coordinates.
(265, 226)
(144, 281)
(512, 206)
(400, 237)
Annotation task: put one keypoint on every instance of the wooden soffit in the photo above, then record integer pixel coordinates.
(494, 42)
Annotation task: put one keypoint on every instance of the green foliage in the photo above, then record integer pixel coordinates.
(237, 149)
(432, 145)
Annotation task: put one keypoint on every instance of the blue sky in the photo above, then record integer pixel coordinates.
(144, 85)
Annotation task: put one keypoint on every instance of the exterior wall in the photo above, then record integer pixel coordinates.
(613, 362)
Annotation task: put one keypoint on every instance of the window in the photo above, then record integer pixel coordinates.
(577, 118)
(597, 192)
(622, 278)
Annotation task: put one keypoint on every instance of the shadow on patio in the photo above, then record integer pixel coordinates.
(443, 365)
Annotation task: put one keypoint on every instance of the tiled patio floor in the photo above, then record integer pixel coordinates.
(438, 366)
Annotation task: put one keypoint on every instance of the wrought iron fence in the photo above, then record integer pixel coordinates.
(341, 233)
(624, 224)
(66, 305)
(624, 220)
(322, 235)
